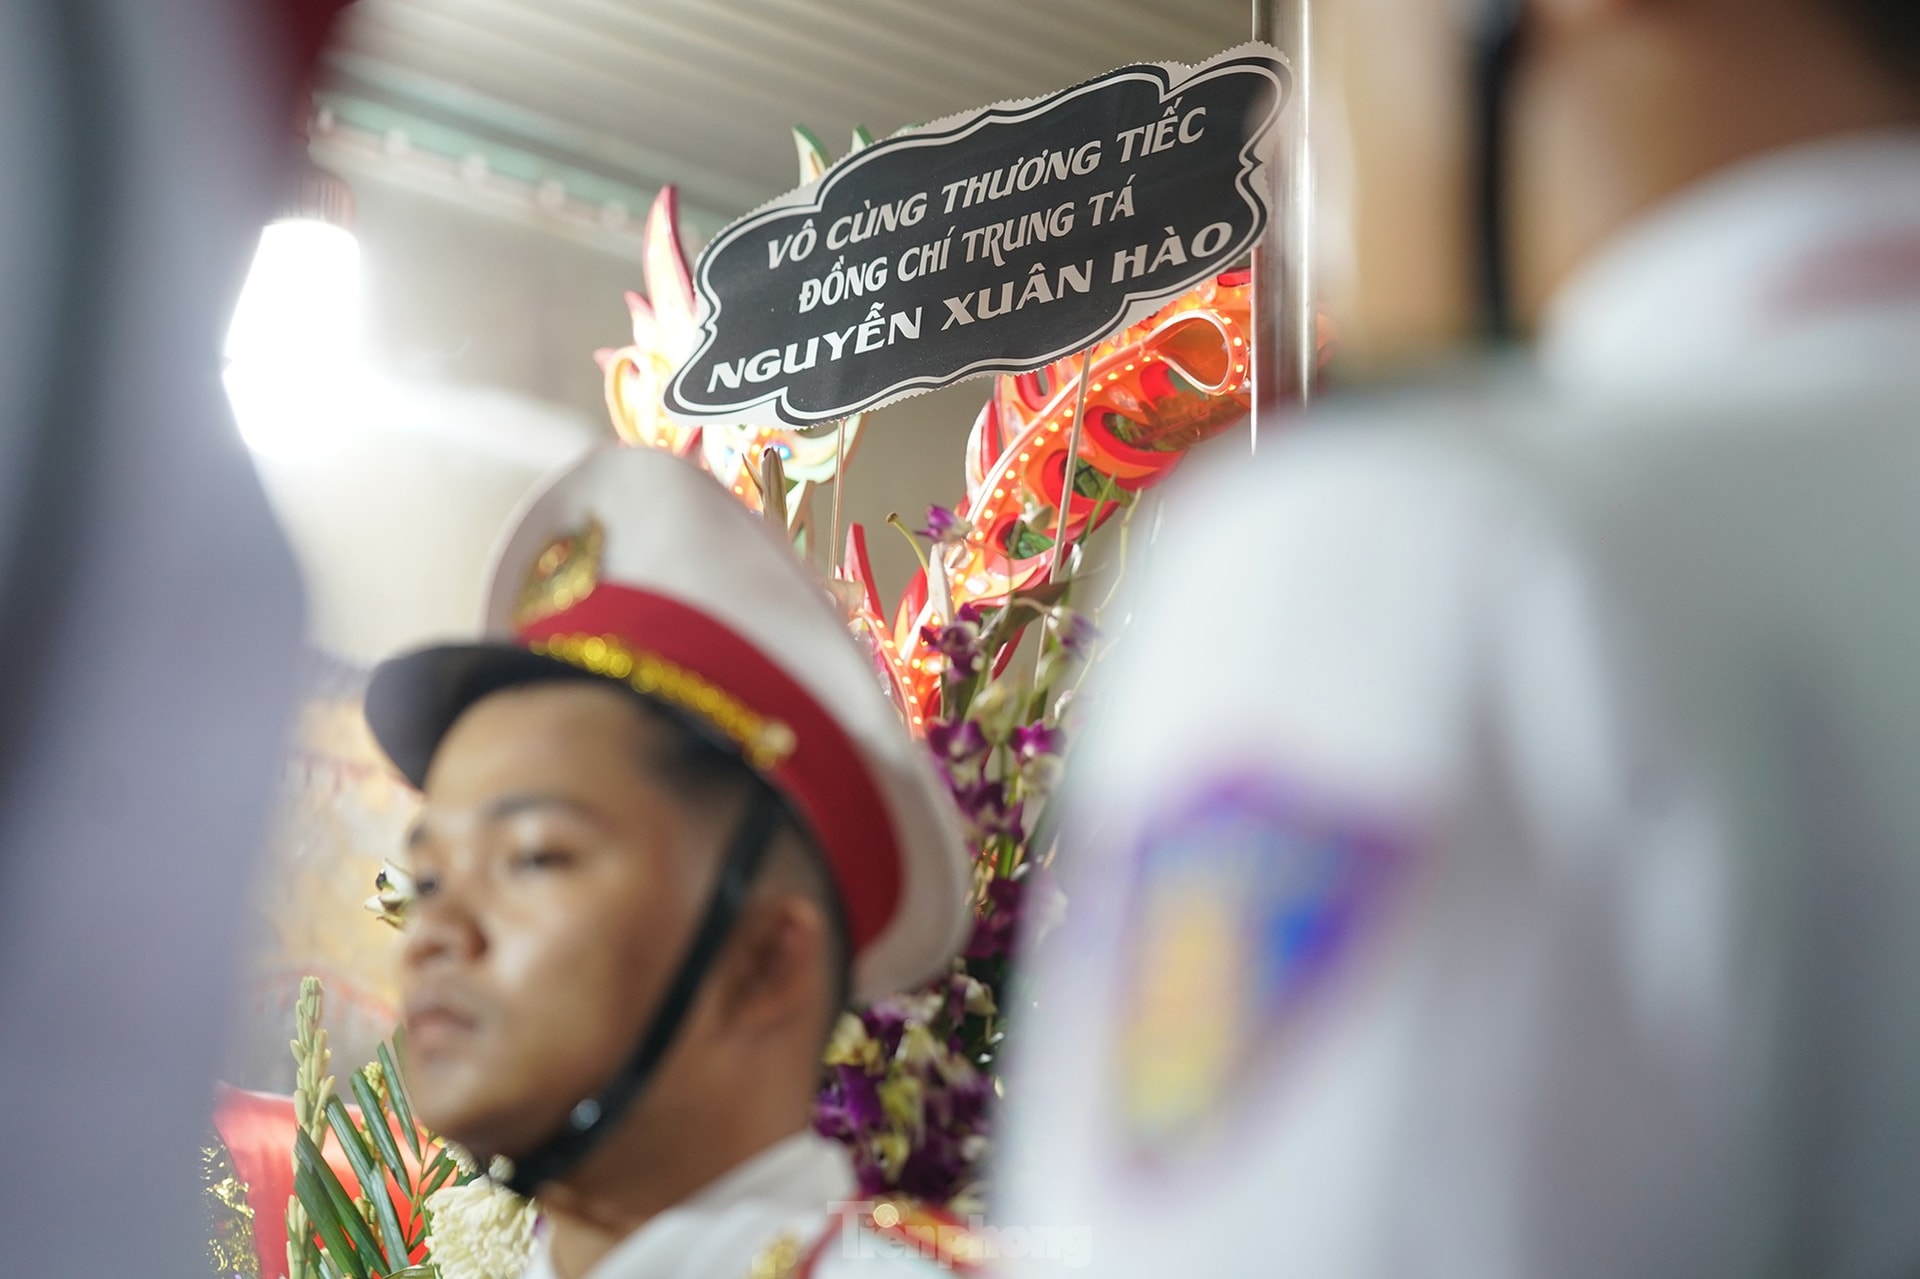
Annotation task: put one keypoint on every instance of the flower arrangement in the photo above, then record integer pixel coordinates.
(911, 1080)
(1143, 397)
(1053, 455)
(419, 1210)
(478, 1230)
(983, 656)
(665, 333)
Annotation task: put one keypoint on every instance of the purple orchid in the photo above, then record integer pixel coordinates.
(966, 996)
(954, 644)
(938, 1168)
(887, 1022)
(985, 805)
(1074, 632)
(943, 527)
(996, 931)
(958, 642)
(957, 741)
(849, 1103)
(1031, 741)
(936, 1155)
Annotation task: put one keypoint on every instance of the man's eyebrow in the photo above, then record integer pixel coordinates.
(513, 805)
(508, 806)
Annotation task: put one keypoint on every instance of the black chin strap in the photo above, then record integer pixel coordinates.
(590, 1121)
(1496, 55)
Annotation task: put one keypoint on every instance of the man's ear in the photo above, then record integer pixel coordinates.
(1578, 13)
(776, 969)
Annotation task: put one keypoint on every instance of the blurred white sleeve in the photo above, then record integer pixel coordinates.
(149, 623)
(1397, 936)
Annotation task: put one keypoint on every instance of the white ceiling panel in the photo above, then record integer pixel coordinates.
(702, 92)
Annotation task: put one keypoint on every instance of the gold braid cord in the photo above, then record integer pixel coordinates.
(765, 742)
(230, 1246)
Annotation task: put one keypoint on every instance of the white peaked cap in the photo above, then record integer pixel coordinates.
(636, 567)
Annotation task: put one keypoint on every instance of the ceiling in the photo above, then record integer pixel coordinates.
(613, 98)
(504, 153)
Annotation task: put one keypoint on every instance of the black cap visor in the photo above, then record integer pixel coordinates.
(412, 700)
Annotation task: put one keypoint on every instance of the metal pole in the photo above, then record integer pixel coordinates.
(839, 465)
(1285, 320)
(1066, 477)
(1303, 310)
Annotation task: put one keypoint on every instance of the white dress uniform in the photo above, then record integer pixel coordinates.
(788, 1212)
(1500, 856)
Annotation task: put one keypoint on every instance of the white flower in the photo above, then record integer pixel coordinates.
(919, 1050)
(393, 896)
(1043, 774)
(479, 1231)
(979, 997)
(994, 709)
(850, 1044)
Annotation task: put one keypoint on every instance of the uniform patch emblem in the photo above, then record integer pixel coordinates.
(564, 573)
(1247, 902)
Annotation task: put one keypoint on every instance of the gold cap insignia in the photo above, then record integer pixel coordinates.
(562, 575)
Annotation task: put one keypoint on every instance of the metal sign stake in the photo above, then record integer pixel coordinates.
(1066, 477)
(1285, 319)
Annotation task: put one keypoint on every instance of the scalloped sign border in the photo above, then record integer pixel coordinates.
(997, 241)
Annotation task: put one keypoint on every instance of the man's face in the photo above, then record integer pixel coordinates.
(1392, 132)
(557, 891)
(1589, 145)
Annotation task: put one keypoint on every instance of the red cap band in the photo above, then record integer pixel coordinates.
(824, 776)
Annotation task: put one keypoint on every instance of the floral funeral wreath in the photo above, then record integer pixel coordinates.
(912, 1079)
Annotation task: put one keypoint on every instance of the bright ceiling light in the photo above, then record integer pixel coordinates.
(302, 296)
(294, 362)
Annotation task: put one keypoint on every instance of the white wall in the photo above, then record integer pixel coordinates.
(481, 335)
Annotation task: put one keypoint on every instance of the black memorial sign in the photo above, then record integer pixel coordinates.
(989, 243)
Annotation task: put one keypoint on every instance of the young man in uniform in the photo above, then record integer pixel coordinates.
(670, 826)
(1532, 888)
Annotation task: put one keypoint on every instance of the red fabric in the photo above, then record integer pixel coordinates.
(307, 24)
(300, 29)
(257, 1129)
(826, 778)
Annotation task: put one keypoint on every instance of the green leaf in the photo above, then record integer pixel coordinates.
(373, 1183)
(1096, 484)
(338, 1253)
(1124, 428)
(807, 140)
(374, 1116)
(345, 1218)
(397, 1089)
(310, 1254)
(1023, 542)
(436, 1178)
